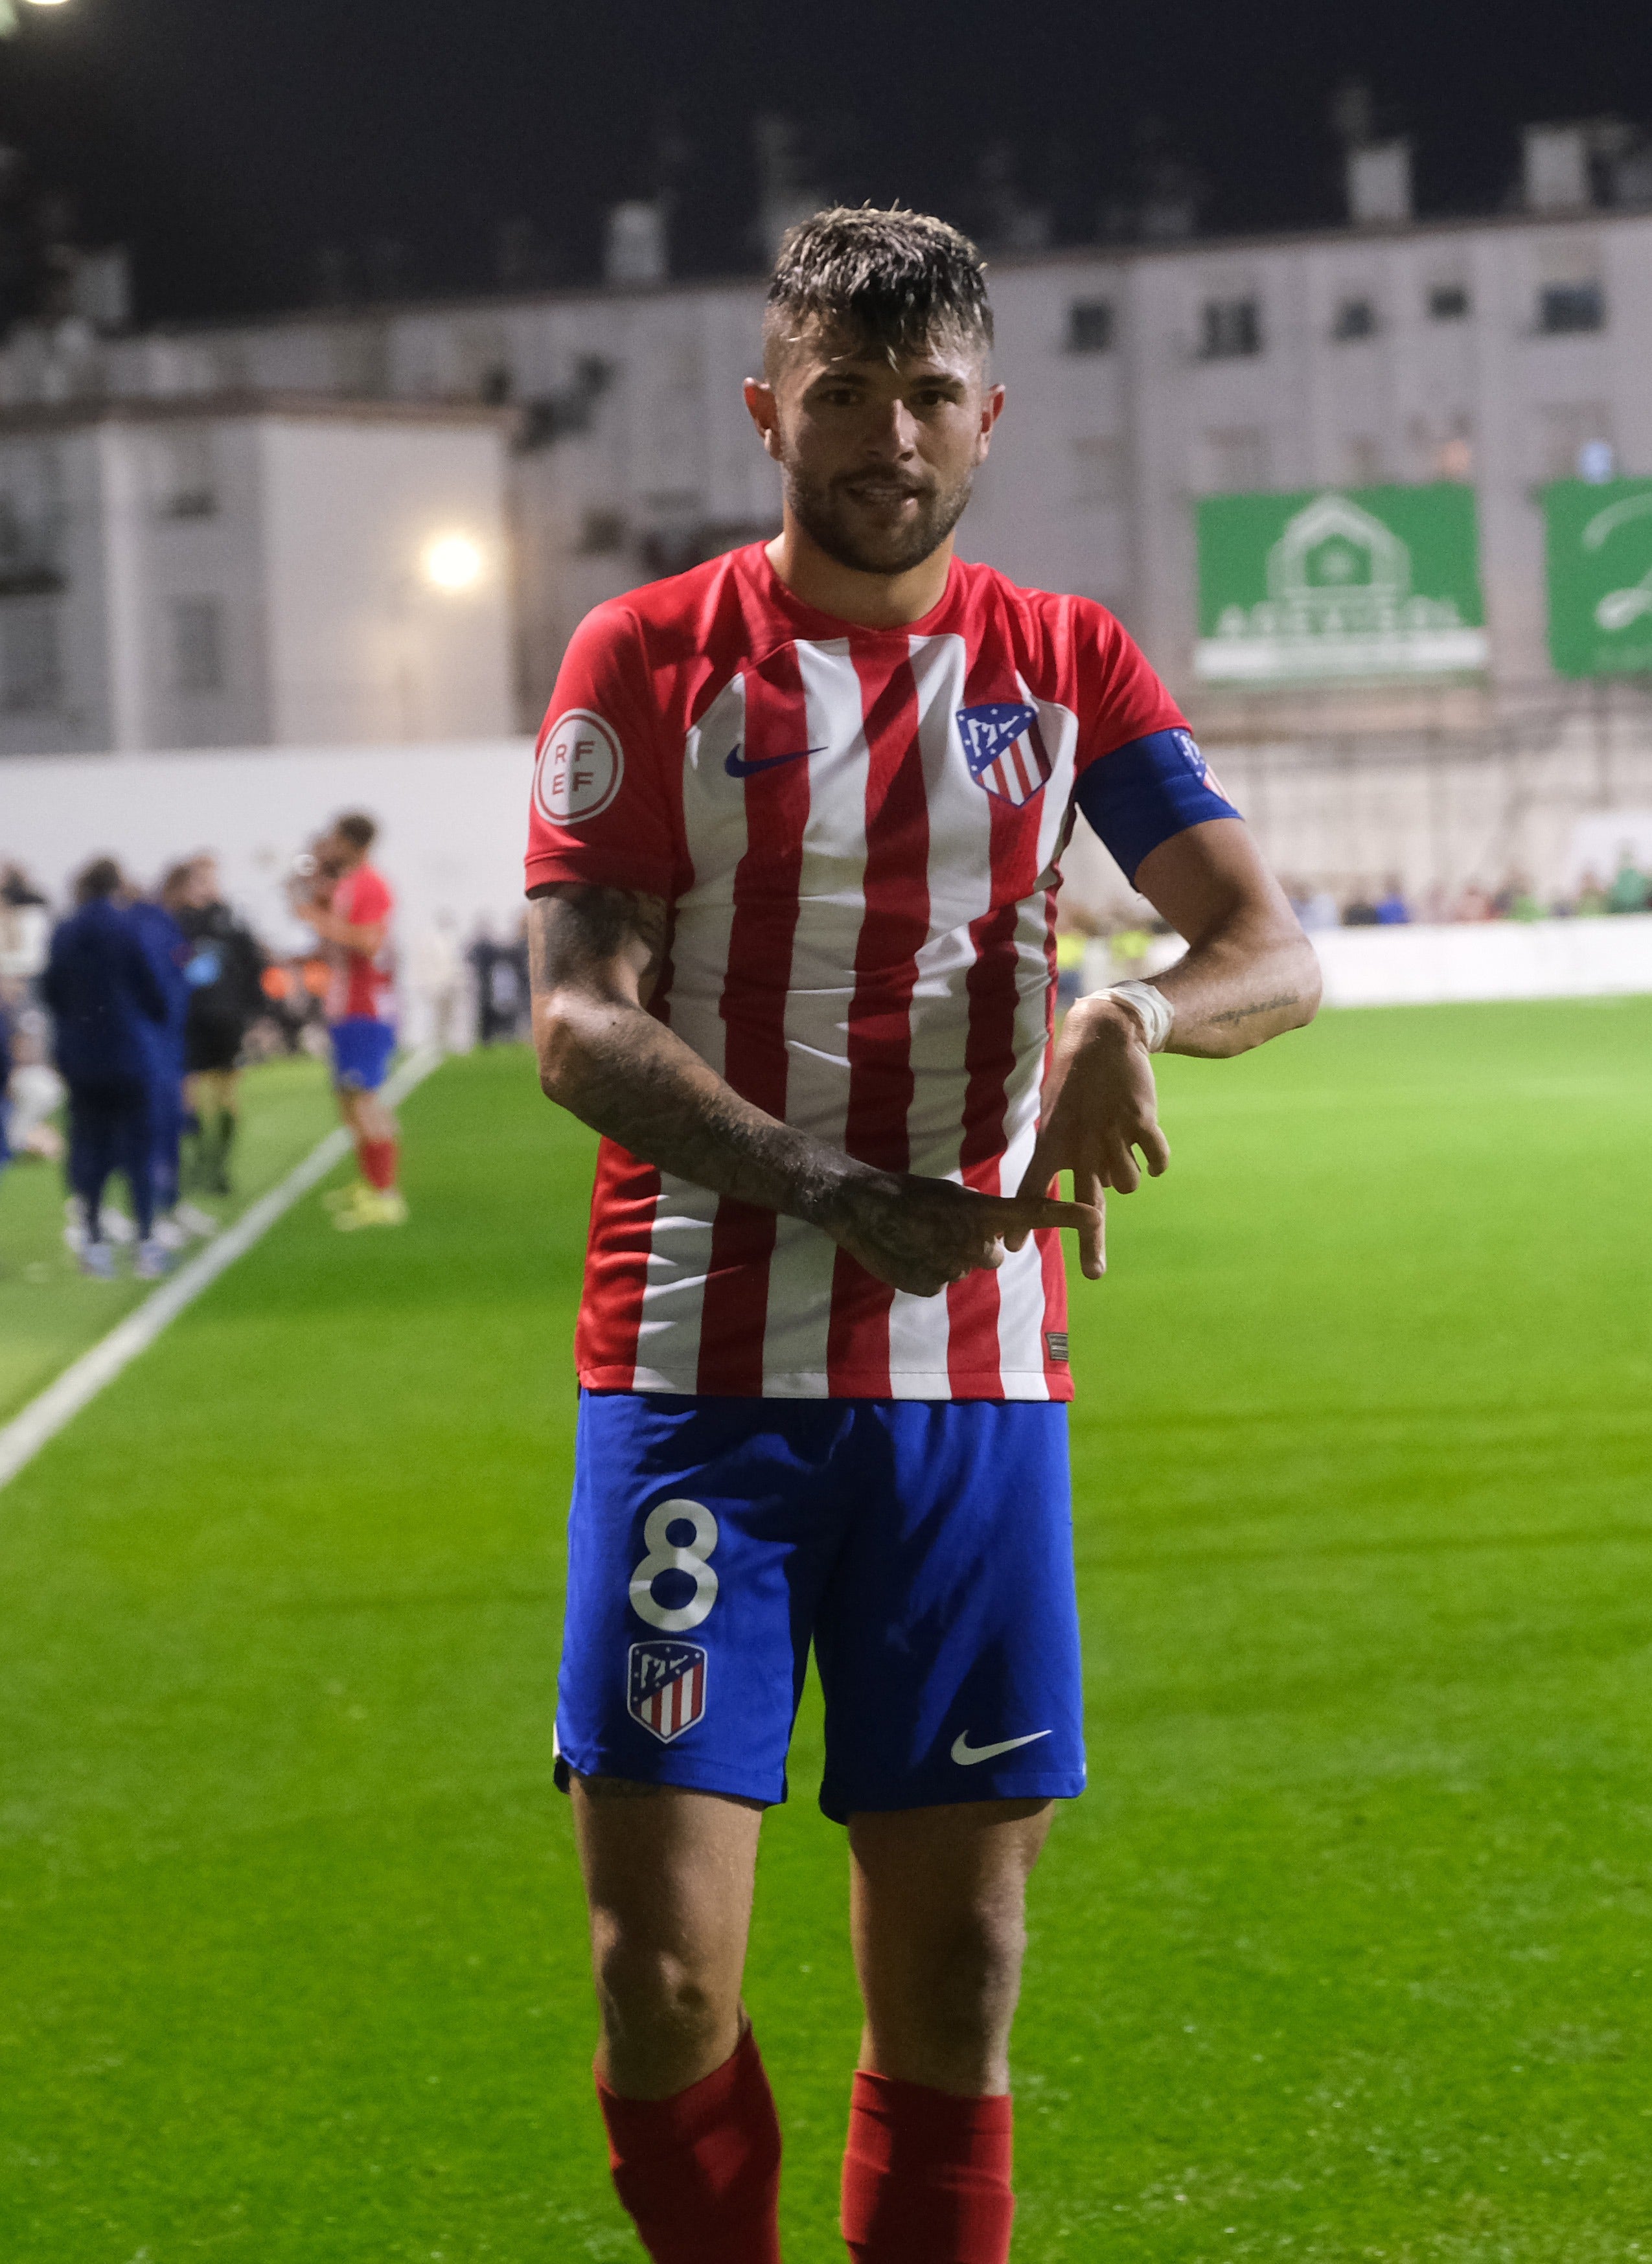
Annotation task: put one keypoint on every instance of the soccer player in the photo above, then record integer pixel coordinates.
(353, 923)
(798, 824)
(104, 994)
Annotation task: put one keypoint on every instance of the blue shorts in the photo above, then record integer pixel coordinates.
(924, 1547)
(362, 1050)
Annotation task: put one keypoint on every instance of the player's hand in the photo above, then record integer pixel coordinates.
(1100, 1107)
(921, 1234)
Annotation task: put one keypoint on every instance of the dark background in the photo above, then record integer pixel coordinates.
(264, 153)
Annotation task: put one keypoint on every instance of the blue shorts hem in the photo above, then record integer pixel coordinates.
(679, 1769)
(361, 1052)
(1053, 1784)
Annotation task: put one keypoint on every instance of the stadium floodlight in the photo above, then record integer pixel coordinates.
(453, 562)
(11, 22)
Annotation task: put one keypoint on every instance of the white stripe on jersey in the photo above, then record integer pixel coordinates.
(680, 1250)
(831, 894)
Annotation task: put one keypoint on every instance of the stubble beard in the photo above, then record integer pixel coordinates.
(825, 518)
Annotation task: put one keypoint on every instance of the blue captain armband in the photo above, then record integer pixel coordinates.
(1146, 790)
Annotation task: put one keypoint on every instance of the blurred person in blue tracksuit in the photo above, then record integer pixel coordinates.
(169, 952)
(102, 990)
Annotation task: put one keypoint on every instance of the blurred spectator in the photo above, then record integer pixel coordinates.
(36, 1090)
(5, 1085)
(224, 971)
(1319, 912)
(1630, 890)
(26, 928)
(437, 971)
(501, 983)
(1590, 900)
(1473, 905)
(1128, 948)
(1360, 911)
(164, 1045)
(1392, 910)
(101, 989)
(1515, 900)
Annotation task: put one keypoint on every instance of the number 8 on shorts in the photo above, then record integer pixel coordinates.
(666, 1555)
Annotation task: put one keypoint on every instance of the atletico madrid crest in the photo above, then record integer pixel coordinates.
(668, 1688)
(1005, 749)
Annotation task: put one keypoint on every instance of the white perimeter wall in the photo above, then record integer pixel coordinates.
(454, 821)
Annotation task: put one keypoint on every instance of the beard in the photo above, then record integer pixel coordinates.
(847, 528)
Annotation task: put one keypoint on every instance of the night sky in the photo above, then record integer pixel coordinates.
(232, 143)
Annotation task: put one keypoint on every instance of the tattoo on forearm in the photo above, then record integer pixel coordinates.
(1273, 1005)
(627, 1076)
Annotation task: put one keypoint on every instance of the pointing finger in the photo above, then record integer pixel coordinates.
(1093, 1241)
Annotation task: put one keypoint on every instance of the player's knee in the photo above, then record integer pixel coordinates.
(970, 1974)
(646, 1989)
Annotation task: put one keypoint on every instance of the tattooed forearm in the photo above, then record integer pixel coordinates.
(1273, 1005)
(594, 955)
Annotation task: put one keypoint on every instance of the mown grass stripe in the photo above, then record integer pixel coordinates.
(48, 1413)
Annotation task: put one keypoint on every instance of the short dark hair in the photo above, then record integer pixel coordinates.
(896, 279)
(357, 828)
(100, 878)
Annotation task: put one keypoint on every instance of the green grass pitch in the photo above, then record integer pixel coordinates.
(1347, 1954)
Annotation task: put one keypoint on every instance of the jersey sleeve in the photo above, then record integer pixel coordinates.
(1141, 777)
(369, 899)
(601, 813)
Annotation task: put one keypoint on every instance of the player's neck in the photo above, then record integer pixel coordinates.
(875, 601)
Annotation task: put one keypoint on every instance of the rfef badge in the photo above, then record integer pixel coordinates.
(666, 1692)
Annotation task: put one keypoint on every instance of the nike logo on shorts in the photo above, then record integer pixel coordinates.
(736, 768)
(966, 1755)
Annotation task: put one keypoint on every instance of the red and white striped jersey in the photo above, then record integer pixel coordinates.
(858, 833)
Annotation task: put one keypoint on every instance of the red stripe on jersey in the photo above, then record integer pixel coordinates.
(973, 1303)
(767, 901)
(893, 927)
(623, 1202)
(1055, 1271)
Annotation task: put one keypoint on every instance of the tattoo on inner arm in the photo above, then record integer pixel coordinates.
(1260, 1006)
(581, 930)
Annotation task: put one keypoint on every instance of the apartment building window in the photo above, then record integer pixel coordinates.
(186, 478)
(197, 655)
(1099, 470)
(1230, 329)
(1567, 307)
(1236, 461)
(1090, 326)
(1448, 303)
(1355, 319)
(31, 661)
(1575, 441)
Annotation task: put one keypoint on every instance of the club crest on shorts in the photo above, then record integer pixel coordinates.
(1005, 749)
(666, 1692)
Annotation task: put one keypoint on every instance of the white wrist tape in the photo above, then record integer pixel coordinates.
(1152, 1008)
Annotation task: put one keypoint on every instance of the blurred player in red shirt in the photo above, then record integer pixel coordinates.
(795, 852)
(353, 924)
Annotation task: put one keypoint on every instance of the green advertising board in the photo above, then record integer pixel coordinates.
(1338, 583)
(1599, 543)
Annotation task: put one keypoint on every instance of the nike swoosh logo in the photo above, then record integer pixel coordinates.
(736, 768)
(966, 1755)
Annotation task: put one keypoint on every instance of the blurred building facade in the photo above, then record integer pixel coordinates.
(1494, 354)
(213, 570)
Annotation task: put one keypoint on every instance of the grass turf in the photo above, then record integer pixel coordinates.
(49, 1312)
(1345, 1955)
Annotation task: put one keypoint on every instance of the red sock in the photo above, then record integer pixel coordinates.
(378, 1163)
(700, 2172)
(926, 2177)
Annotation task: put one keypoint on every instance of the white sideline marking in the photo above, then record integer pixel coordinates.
(46, 1415)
